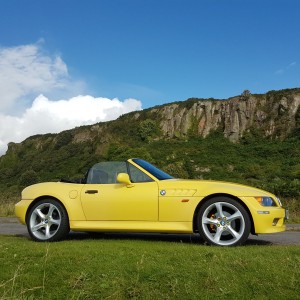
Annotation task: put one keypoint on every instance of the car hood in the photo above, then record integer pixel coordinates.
(207, 187)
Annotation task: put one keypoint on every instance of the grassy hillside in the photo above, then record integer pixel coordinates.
(271, 164)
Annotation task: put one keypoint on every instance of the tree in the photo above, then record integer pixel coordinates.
(147, 129)
(245, 95)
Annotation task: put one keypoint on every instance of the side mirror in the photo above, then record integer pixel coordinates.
(124, 178)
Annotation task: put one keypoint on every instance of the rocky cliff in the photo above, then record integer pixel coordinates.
(274, 114)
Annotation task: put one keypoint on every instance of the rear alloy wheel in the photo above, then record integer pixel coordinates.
(48, 221)
(223, 221)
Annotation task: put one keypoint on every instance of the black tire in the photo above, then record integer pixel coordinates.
(47, 221)
(223, 221)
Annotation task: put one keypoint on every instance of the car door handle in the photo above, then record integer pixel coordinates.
(91, 191)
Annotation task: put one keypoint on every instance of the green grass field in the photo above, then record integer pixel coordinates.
(145, 268)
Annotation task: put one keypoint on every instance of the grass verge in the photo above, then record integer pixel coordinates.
(7, 209)
(145, 269)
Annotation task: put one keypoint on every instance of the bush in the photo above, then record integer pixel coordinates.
(28, 178)
(147, 129)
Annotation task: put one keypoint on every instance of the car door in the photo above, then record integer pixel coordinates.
(113, 201)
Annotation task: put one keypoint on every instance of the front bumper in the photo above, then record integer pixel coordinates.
(271, 221)
(266, 219)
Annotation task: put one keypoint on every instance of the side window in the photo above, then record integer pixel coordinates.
(106, 172)
(136, 175)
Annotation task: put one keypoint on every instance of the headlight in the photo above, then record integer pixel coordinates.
(266, 201)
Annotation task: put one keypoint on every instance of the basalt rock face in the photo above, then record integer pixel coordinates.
(274, 114)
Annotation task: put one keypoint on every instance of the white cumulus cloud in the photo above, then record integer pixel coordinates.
(29, 80)
(46, 116)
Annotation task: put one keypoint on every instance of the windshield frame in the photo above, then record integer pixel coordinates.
(154, 171)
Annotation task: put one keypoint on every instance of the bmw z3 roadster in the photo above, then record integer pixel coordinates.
(135, 196)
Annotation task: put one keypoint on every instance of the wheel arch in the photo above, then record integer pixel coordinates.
(44, 198)
(205, 199)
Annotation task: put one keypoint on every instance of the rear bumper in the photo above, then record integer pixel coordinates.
(20, 210)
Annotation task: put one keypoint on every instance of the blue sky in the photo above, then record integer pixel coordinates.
(155, 51)
(164, 50)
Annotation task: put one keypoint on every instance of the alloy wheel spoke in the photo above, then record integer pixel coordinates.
(38, 226)
(206, 220)
(52, 208)
(234, 233)
(236, 215)
(55, 222)
(217, 236)
(40, 214)
(47, 234)
(219, 208)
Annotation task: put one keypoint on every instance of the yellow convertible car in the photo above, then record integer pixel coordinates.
(135, 196)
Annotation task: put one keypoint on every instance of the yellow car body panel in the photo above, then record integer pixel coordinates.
(67, 193)
(181, 209)
(117, 202)
(132, 226)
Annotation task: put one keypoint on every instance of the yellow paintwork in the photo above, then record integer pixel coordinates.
(158, 206)
(117, 202)
(263, 222)
(64, 192)
(132, 226)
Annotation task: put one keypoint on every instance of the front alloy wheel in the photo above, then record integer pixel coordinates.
(223, 221)
(48, 221)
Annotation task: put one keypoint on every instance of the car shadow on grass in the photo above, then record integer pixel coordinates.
(159, 237)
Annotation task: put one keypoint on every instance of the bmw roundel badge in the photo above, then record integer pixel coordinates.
(163, 192)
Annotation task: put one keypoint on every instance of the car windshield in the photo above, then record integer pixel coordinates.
(159, 174)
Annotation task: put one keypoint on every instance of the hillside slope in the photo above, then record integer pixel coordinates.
(249, 138)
